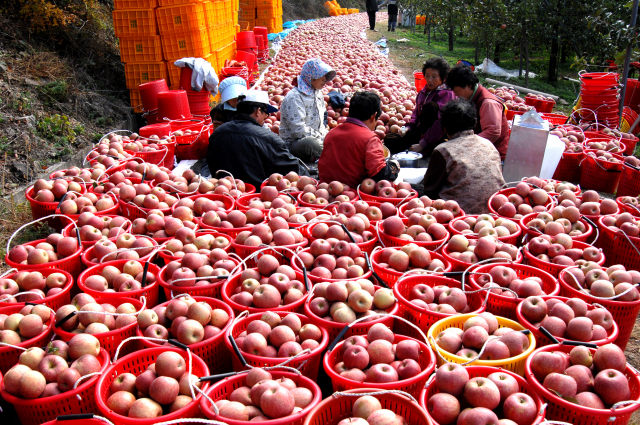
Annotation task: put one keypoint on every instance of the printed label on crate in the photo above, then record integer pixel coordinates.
(133, 23)
(177, 20)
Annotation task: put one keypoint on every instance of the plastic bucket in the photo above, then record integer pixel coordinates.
(174, 105)
(246, 40)
(149, 93)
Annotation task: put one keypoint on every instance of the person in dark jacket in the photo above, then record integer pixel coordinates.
(372, 8)
(392, 10)
(230, 89)
(246, 149)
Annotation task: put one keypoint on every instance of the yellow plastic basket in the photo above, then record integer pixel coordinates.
(514, 364)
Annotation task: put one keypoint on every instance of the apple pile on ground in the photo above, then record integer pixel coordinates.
(440, 298)
(419, 228)
(269, 285)
(624, 222)
(571, 320)
(55, 247)
(275, 232)
(197, 267)
(263, 398)
(571, 376)
(327, 193)
(105, 250)
(94, 228)
(357, 224)
(506, 277)
(524, 201)
(468, 341)
(386, 189)
(270, 198)
(273, 336)
(344, 302)
(292, 181)
(188, 320)
(474, 250)
(558, 249)
(161, 389)
(367, 410)
(234, 219)
(605, 282)
(333, 259)
(572, 140)
(483, 397)
(30, 322)
(125, 279)
(202, 244)
(568, 223)
(375, 358)
(31, 281)
(409, 257)
(41, 374)
(486, 225)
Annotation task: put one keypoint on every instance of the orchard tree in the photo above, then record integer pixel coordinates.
(485, 22)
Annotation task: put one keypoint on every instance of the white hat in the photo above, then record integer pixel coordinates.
(231, 88)
(259, 96)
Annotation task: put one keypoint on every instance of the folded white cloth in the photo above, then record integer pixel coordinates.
(203, 74)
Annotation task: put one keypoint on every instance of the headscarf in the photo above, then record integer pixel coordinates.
(312, 70)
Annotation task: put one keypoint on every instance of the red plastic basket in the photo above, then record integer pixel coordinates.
(41, 209)
(532, 233)
(211, 350)
(213, 290)
(308, 364)
(39, 410)
(551, 268)
(395, 201)
(511, 239)
(391, 276)
(460, 266)
(83, 421)
(364, 246)
(71, 264)
(599, 175)
(150, 291)
(157, 157)
(242, 203)
(568, 168)
(391, 241)
(624, 313)
(542, 340)
(70, 231)
(554, 119)
(506, 307)
(618, 248)
(54, 301)
(624, 207)
(132, 211)
(412, 385)
(425, 318)
(164, 253)
(88, 256)
(193, 146)
(295, 264)
(137, 363)
(510, 191)
(484, 371)
(629, 184)
(559, 409)
(221, 390)
(334, 409)
(630, 145)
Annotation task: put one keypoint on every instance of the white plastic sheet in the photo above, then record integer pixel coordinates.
(489, 67)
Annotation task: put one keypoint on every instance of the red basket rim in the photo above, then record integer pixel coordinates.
(45, 272)
(153, 268)
(39, 267)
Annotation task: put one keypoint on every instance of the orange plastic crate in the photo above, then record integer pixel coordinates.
(164, 3)
(136, 101)
(262, 4)
(174, 76)
(267, 13)
(186, 44)
(246, 24)
(138, 73)
(228, 10)
(247, 14)
(181, 18)
(140, 49)
(227, 52)
(134, 22)
(135, 4)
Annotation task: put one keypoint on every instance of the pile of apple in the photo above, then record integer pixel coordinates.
(327, 193)
(93, 324)
(334, 260)
(142, 247)
(443, 211)
(264, 398)
(111, 147)
(558, 249)
(386, 189)
(273, 336)
(276, 232)
(632, 160)
(196, 267)
(468, 341)
(54, 190)
(19, 327)
(624, 222)
(420, 228)
(571, 376)
(357, 225)
(84, 174)
(367, 410)
(112, 279)
(631, 200)
(486, 225)
(203, 244)
(41, 374)
(524, 201)
(566, 221)
(605, 282)
(506, 93)
(234, 187)
(506, 277)
(292, 182)
(30, 281)
(300, 215)
(344, 302)
(94, 228)
(157, 225)
(55, 247)
(145, 197)
(571, 319)
(550, 185)
(572, 139)
(270, 198)
(187, 208)
(187, 320)
(474, 250)
(606, 156)
(611, 146)
(386, 209)
(234, 219)
(409, 257)
(270, 285)
(375, 358)
(467, 401)
(539, 97)
(112, 183)
(161, 389)
(588, 204)
(440, 298)
(137, 169)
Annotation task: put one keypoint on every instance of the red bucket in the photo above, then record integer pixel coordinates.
(160, 130)
(246, 40)
(174, 105)
(419, 80)
(149, 93)
(248, 58)
(185, 80)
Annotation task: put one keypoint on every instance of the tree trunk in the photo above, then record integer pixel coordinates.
(477, 52)
(526, 51)
(496, 57)
(450, 33)
(429, 34)
(521, 50)
(563, 53)
(553, 60)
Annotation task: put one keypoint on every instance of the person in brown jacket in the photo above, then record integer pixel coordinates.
(466, 168)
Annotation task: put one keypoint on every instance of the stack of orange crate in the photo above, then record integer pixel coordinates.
(269, 15)
(222, 30)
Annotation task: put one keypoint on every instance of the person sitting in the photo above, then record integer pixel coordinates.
(230, 88)
(302, 111)
(423, 131)
(492, 123)
(248, 150)
(352, 151)
(466, 168)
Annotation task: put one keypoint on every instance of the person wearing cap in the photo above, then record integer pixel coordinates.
(248, 150)
(302, 112)
(230, 88)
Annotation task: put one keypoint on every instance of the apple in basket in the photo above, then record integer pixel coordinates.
(632, 160)
(54, 190)
(84, 174)
(333, 259)
(344, 302)
(524, 201)
(196, 184)
(144, 196)
(273, 336)
(157, 225)
(486, 225)
(87, 203)
(270, 198)
(588, 204)
(136, 169)
(203, 244)
(357, 225)
(94, 228)
(275, 233)
(624, 222)
(367, 410)
(110, 147)
(300, 214)
(327, 193)
(187, 320)
(559, 249)
(112, 279)
(468, 341)
(55, 247)
(474, 250)
(105, 250)
(30, 322)
(263, 398)
(419, 228)
(443, 211)
(36, 282)
(573, 143)
(373, 213)
(93, 324)
(291, 181)
(571, 319)
(594, 380)
(568, 223)
(409, 257)
(506, 277)
(45, 373)
(197, 267)
(186, 208)
(605, 282)
(385, 189)
(551, 185)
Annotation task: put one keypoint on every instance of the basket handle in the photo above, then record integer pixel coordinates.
(104, 313)
(82, 417)
(341, 394)
(601, 298)
(41, 219)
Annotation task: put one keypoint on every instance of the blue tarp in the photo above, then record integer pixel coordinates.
(287, 28)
